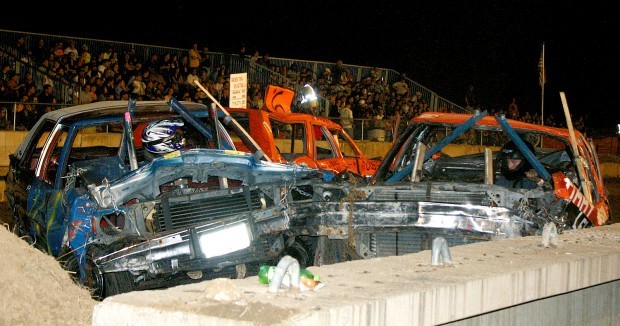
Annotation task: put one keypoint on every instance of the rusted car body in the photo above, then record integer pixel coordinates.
(81, 188)
(439, 181)
(305, 139)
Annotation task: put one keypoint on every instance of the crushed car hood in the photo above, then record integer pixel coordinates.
(199, 164)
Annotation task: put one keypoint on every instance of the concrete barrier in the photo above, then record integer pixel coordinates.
(514, 281)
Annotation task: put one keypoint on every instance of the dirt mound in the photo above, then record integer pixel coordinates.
(36, 290)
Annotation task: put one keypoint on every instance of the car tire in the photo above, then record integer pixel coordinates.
(299, 251)
(94, 280)
(117, 283)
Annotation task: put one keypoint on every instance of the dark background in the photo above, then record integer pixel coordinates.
(445, 46)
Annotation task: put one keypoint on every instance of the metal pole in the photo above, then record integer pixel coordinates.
(543, 80)
(14, 115)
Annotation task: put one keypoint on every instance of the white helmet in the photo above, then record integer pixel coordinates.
(161, 136)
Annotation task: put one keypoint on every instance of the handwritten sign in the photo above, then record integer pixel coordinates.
(238, 90)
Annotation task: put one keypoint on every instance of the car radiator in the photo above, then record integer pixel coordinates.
(180, 212)
(401, 243)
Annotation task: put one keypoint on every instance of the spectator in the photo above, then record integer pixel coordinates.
(6, 72)
(138, 86)
(337, 70)
(108, 53)
(40, 51)
(346, 119)
(71, 49)
(513, 109)
(46, 96)
(471, 101)
(58, 50)
(86, 56)
(191, 78)
(194, 56)
(401, 87)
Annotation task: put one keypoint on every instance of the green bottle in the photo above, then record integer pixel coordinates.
(266, 272)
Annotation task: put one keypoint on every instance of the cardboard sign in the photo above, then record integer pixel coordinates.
(239, 90)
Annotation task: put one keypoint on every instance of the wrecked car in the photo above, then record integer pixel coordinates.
(305, 139)
(443, 178)
(134, 195)
(302, 138)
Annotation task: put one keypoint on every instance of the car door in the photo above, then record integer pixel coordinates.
(326, 151)
(22, 174)
(42, 188)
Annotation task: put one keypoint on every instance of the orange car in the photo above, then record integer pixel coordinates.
(305, 139)
(567, 168)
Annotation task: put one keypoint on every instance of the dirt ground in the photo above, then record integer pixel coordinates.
(35, 290)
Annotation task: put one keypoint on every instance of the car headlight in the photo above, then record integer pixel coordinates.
(225, 240)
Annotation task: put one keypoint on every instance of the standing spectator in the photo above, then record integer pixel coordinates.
(184, 67)
(337, 70)
(513, 110)
(471, 101)
(166, 67)
(20, 49)
(194, 56)
(346, 119)
(242, 51)
(265, 60)
(205, 58)
(40, 51)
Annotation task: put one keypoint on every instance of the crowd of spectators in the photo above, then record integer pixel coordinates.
(371, 101)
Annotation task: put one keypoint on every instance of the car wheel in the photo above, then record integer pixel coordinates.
(117, 283)
(299, 251)
(93, 279)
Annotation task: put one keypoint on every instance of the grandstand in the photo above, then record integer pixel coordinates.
(82, 70)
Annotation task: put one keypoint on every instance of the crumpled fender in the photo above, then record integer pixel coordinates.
(80, 228)
(566, 189)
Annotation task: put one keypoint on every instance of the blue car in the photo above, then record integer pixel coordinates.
(137, 195)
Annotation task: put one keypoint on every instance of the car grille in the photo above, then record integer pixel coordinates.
(453, 197)
(401, 243)
(173, 214)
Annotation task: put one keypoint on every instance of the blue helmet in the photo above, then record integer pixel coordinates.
(163, 136)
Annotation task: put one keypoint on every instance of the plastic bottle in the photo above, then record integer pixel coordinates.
(307, 280)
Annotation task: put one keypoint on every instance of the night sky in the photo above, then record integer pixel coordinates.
(493, 45)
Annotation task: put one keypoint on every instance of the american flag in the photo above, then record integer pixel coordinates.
(542, 77)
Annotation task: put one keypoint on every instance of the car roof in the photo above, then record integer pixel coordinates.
(489, 121)
(292, 116)
(96, 109)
